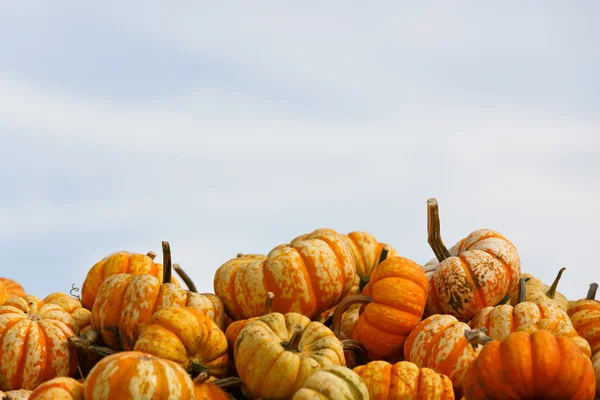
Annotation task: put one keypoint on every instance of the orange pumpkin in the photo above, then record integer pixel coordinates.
(309, 275)
(404, 380)
(130, 375)
(13, 288)
(276, 353)
(209, 305)
(596, 364)
(444, 344)
(34, 343)
(530, 366)
(73, 306)
(479, 271)
(205, 389)
(3, 293)
(62, 388)
(186, 336)
(398, 289)
(118, 263)
(500, 321)
(585, 316)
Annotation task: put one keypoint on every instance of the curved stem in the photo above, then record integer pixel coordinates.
(552, 291)
(477, 337)
(591, 294)
(382, 257)
(167, 272)
(522, 291)
(87, 343)
(294, 343)
(434, 237)
(343, 306)
(384, 253)
(225, 383)
(186, 278)
(269, 303)
(202, 376)
(151, 254)
(356, 349)
(195, 367)
(505, 300)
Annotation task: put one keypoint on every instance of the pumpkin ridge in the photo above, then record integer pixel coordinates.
(309, 277)
(504, 264)
(19, 371)
(237, 308)
(349, 382)
(435, 339)
(44, 365)
(478, 298)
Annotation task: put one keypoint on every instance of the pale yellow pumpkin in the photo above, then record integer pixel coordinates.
(333, 383)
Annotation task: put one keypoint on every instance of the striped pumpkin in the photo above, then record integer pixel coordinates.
(62, 388)
(585, 316)
(73, 306)
(333, 383)
(13, 288)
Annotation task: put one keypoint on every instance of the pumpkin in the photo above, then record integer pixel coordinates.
(13, 288)
(398, 290)
(309, 275)
(404, 380)
(500, 321)
(206, 389)
(538, 292)
(276, 353)
(596, 364)
(34, 346)
(366, 251)
(585, 316)
(334, 382)
(209, 305)
(136, 375)
(118, 263)
(3, 293)
(479, 271)
(61, 388)
(74, 306)
(21, 394)
(530, 366)
(186, 336)
(444, 344)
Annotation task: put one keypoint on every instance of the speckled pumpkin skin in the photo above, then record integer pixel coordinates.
(404, 380)
(482, 269)
(333, 383)
(34, 345)
(62, 388)
(310, 275)
(73, 306)
(536, 293)
(13, 288)
(585, 316)
(21, 394)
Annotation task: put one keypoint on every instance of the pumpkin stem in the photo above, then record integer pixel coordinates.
(202, 376)
(167, 272)
(240, 255)
(434, 237)
(591, 295)
(354, 347)
(477, 337)
(505, 300)
(294, 343)
(186, 278)
(343, 306)
(195, 367)
(225, 383)
(552, 291)
(382, 256)
(151, 254)
(269, 303)
(522, 291)
(87, 343)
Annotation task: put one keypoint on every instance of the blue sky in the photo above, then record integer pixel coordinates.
(235, 129)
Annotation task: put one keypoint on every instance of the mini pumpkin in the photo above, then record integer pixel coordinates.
(73, 306)
(538, 292)
(479, 271)
(34, 346)
(334, 382)
(276, 353)
(186, 336)
(3, 293)
(530, 366)
(206, 389)
(61, 388)
(310, 275)
(404, 380)
(21, 394)
(585, 316)
(596, 364)
(13, 288)
(130, 375)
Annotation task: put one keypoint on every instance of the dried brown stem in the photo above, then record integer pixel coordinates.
(434, 236)
(167, 267)
(477, 337)
(225, 383)
(552, 291)
(343, 306)
(382, 257)
(240, 255)
(185, 278)
(294, 343)
(522, 296)
(505, 300)
(591, 294)
(195, 367)
(151, 254)
(356, 349)
(202, 376)
(87, 343)
(384, 253)
(269, 303)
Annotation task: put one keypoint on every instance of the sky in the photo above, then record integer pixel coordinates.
(227, 129)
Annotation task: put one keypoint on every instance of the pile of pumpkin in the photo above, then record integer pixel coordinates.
(325, 316)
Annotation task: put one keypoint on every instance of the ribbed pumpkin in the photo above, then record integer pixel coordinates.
(62, 388)
(204, 389)
(504, 319)
(398, 290)
(530, 366)
(186, 336)
(133, 375)
(21, 394)
(73, 306)
(334, 382)
(209, 305)
(404, 380)
(3, 293)
(13, 288)
(479, 271)
(366, 251)
(596, 364)
(310, 275)
(444, 344)
(34, 346)
(276, 353)
(121, 262)
(585, 316)
(538, 292)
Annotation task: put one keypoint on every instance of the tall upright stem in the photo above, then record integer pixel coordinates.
(434, 237)
(522, 291)
(294, 343)
(552, 291)
(185, 277)
(591, 295)
(269, 303)
(167, 272)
